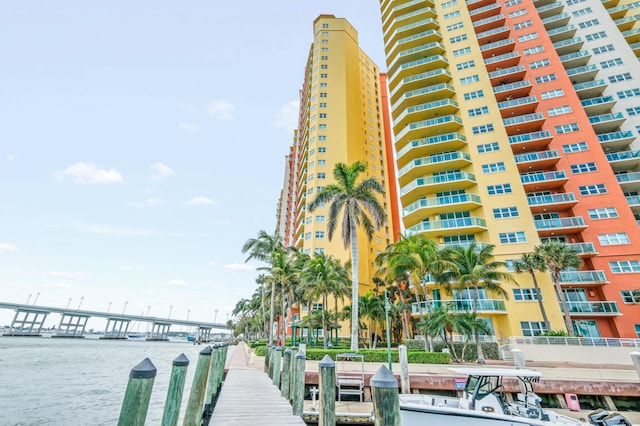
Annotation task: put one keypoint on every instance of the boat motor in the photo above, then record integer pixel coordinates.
(602, 417)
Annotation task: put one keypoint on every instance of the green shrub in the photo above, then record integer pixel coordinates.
(380, 355)
(490, 349)
(555, 333)
(260, 350)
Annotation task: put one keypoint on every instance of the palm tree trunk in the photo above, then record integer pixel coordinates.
(282, 312)
(354, 287)
(543, 311)
(428, 305)
(555, 277)
(324, 320)
(476, 333)
(272, 313)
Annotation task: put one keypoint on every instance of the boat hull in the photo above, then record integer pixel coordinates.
(420, 416)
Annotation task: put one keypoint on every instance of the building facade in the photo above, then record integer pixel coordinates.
(517, 122)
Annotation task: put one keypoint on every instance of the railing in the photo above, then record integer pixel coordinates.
(575, 341)
(561, 30)
(462, 305)
(562, 222)
(544, 176)
(507, 71)
(536, 156)
(606, 117)
(623, 155)
(549, 7)
(495, 44)
(440, 201)
(434, 159)
(415, 13)
(563, 43)
(492, 32)
(575, 55)
(539, 200)
(582, 248)
(580, 70)
(502, 57)
(511, 86)
(628, 177)
(488, 20)
(633, 200)
(447, 137)
(430, 180)
(461, 222)
(583, 277)
(589, 84)
(593, 307)
(423, 91)
(597, 101)
(422, 34)
(517, 102)
(429, 123)
(528, 137)
(417, 49)
(523, 119)
(605, 137)
(485, 9)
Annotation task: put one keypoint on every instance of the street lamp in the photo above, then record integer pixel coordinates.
(125, 306)
(387, 308)
(170, 309)
(188, 313)
(148, 309)
(109, 308)
(80, 304)
(36, 299)
(68, 303)
(28, 298)
(215, 317)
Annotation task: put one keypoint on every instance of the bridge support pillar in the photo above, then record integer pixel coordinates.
(27, 322)
(159, 331)
(116, 328)
(204, 334)
(72, 325)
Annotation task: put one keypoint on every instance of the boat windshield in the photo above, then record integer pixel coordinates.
(479, 386)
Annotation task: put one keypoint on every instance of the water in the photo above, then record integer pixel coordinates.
(45, 381)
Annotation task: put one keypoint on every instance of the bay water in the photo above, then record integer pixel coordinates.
(54, 381)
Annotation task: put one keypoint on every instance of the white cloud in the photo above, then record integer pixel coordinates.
(239, 267)
(190, 127)
(200, 201)
(223, 222)
(214, 264)
(89, 173)
(67, 276)
(7, 248)
(11, 157)
(221, 110)
(287, 117)
(176, 283)
(160, 172)
(151, 202)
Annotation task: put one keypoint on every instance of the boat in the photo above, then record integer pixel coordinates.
(484, 402)
(136, 336)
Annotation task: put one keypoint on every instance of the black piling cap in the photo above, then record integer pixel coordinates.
(181, 361)
(206, 351)
(144, 370)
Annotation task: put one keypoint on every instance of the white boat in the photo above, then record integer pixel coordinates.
(483, 402)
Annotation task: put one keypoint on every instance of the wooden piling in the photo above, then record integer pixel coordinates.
(176, 388)
(212, 380)
(267, 356)
(384, 393)
(195, 406)
(292, 374)
(298, 379)
(327, 384)
(404, 369)
(136, 397)
(286, 369)
(277, 360)
(635, 358)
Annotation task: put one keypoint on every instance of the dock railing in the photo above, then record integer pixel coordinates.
(574, 341)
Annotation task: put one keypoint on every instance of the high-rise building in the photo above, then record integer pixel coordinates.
(341, 121)
(516, 122)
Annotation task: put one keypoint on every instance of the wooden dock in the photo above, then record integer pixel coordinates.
(248, 397)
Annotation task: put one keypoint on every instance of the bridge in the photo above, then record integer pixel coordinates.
(29, 320)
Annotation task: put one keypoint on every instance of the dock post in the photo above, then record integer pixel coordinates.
(518, 359)
(292, 375)
(193, 414)
(212, 385)
(136, 397)
(267, 355)
(286, 369)
(277, 360)
(384, 393)
(635, 357)
(174, 394)
(404, 369)
(222, 361)
(327, 382)
(298, 380)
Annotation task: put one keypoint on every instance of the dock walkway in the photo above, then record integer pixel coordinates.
(248, 397)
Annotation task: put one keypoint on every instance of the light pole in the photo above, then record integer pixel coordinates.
(170, 309)
(80, 304)
(215, 317)
(125, 306)
(387, 307)
(109, 308)
(148, 309)
(28, 298)
(68, 303)
(36, 299)
(188, 313)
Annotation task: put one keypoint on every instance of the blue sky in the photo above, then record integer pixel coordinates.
(142, 143)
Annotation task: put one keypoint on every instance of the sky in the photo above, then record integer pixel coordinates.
(142, 143)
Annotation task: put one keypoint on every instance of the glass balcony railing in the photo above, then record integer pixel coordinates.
(597, 101)
(425, 91)
(434, 159)
(419, 62)
(549, 7)
(421, 34)
(541, 200)
(489, 20)
(502, 57)
(492, 31)
(416, 13)
(511, 86)
(461, 222)
(422, 48)
(432, 180)
(623, 155)
(536, 156)
(493, 6)
(447, 137)
(633, 200)
(432, 122)
(575, 55)
(530, 137)
(589, 84)
(560, 30)
(526, 118)
(583, 248)
(580, 70)
(518, 102)
(593, 307)
(568, 42)
(441, 201)
(582, 277)
(507, 71)
(462, 305)
(561, 222)
(543, 176)
(614, 136)
(553, 18)
(606, 117)
(628, 177)
(496, 44)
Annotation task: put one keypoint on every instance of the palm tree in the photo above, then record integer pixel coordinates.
(283, 272)
(373, 309)
(532, 263)
(444, 322)
(355, 201)
(474, 268)
(557, 256)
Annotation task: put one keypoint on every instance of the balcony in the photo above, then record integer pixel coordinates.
(430, 145)
(409, 6)
(549, 10)
(618, 11)
(562, 33)
(510, 59)
(632, 36)
(420, 65)
(539, 160)
(607, 122)
(495, 33)
(636, 48)
(430, 127)
(519, 106)
(583, 73)
(415, 40)
(432, 164)
(415, 53)
(462, 225)
(609, 3)
(571, 45)
(616, 141)
(629, 182)
(561, 225)
(556, 21)
(625, 24)
(543, 181)
(584, 249)
(590, 89)
(487, 306)
(592, 309)
(441, 107)
(409, 16)
(499, 47)
(577, 59)
(446, 204)
(507, 75)
(583, 278)
(474, 4)
(445, 182)
(406, 30)
(534, 141)
(423, 95)
(599, 105)
(552, 202)
(624, 160)
(489, 23)
(419, 81)
(509, 91)
(524, 123)
(485, 11)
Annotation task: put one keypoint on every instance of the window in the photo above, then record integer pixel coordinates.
(323, 104)
(461, 52)
(552, 94)
(596, 36)
(325, 25)
(324, 75)
(633, 111)
(322, 175)
(590, 23)
(623, 266)
(483, 128)
(637, 328)
(512, 2)
(465, 65)
(539, 64)
(319, 219)
(323, 94)
(599, 188)
(532, 328)
(319, 234)
(493, 168)
(566, 109)
(322, 138)
(546, 78)
(478, 111)
(532, 50)
(619, 77)
(307, 236)
(574, 147)
(631, 296)
(613, 239)
(322, 162)
(324, 66)
(526, 37)
(452, 15)
(611, 63)
(322, 149)
(567, 128)
(473, 95)
(318, 250)
(458, 38)
(499, 189)
(455, 26)
(521, 25)
(603, 49)
(324, 58)
(572, 2)
(469, 80)
(583, 168)
(488, 147)
(628, 93)
(518, 12)
(525, 294)
(505, 212)
(448, 4)
(581, 12)
(512, 237)
(323, 115)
